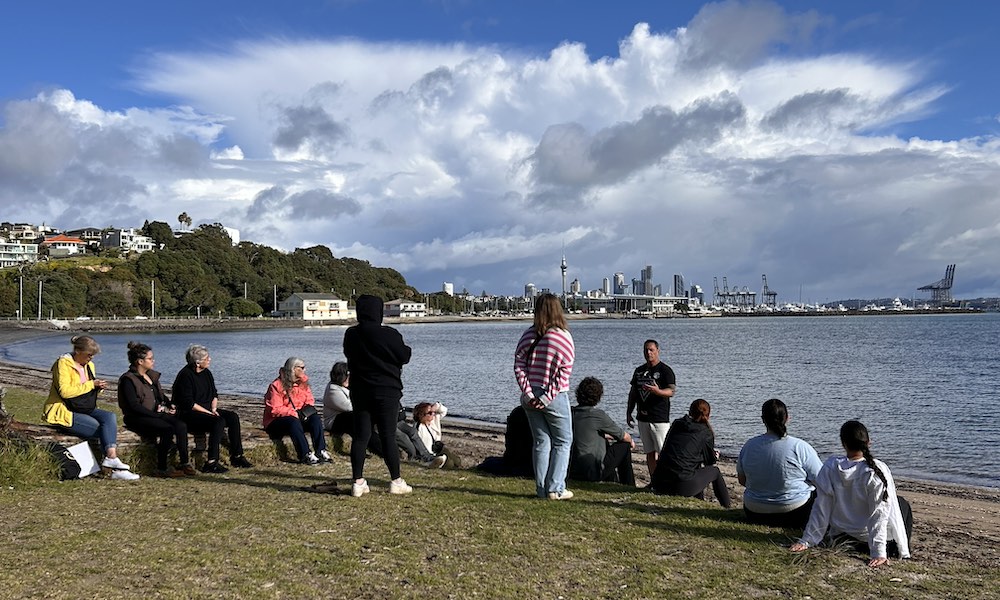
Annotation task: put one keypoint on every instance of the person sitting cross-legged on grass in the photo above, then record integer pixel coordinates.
(594, 457)
(856, 500)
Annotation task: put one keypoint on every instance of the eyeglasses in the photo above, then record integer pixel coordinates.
(303, 367)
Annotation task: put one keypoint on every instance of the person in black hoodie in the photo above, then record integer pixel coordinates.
(375, 358)
(687, 462)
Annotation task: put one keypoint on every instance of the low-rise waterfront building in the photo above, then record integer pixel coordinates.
(311, 306)
(128, 240)
(405, 308)
(64, 245)
(15, 254)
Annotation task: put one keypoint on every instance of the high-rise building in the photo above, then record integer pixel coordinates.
(647, 280)
(530, 291)
(696, 292)
(574, 287)
(448, 288)
(619, 283)
(606, 286)
(679, 285)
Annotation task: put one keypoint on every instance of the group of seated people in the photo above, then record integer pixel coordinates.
(287, 412)
(146, 409)
(166, 421)
(850, 497)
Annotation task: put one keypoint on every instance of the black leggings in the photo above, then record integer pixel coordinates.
(166, 430)
(695, 487)
(618, 464)
(214, 426)
(794, 519)
(382, 410)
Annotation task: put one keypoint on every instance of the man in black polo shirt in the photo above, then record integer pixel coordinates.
(653, 384)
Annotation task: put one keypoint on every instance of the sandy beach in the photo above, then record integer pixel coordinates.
(951, 522)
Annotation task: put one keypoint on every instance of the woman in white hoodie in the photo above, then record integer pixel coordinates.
(856, 497)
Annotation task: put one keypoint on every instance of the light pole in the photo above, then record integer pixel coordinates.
(152, 298)
(39, 299)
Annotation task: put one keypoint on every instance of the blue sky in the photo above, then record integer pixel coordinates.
(849, 148)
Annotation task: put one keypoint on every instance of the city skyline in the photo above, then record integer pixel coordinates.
(848, 149)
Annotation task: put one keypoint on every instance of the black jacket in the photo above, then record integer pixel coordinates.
(689, 445)
(375, 353)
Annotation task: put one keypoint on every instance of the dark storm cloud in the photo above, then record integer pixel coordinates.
(266, 203)
(807, 109)
(322, 205)
(308, 124)
(182, 152)
(568, 160)
(739, 34)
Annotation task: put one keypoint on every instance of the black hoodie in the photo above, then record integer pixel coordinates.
(375, 353)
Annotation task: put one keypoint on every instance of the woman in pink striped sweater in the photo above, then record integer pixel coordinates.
(543, 362)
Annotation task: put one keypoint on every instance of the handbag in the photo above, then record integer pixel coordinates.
(84, 403)
(305, 413)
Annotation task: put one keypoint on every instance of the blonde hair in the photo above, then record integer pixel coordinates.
(548, 314)
(85, 344)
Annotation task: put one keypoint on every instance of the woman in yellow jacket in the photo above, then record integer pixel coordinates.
(72, 403)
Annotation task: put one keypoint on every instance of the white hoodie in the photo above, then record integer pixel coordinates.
(849, 500)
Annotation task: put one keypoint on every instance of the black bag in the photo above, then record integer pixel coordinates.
(306, 412)
(437, 447)
(84, 403)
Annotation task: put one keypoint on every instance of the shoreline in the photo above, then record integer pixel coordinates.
(952, 522)
(37, 378)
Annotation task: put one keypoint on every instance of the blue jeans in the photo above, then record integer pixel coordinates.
(292, 427)
(101, 422)
(552, 430)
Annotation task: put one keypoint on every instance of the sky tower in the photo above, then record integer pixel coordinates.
(562, 267)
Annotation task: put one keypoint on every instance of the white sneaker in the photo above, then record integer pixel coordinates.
(437, 462)
(359, 489)
(124, 475)
(325, 456)
(114, 463)
(563, 495)
(398, 486)
(310, 459)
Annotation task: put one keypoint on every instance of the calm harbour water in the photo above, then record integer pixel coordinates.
(927, 386)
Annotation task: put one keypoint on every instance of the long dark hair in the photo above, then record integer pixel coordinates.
(854, 437)
(774, 413)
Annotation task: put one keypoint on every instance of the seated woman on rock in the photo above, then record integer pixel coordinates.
(687, 462)
(778, 471)
(149, 413)
(856, 499)
(197, 402)
(593, 458)
(72, 403)
(338, 413)
(285, 397)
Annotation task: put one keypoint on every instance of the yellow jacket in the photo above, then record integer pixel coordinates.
(65, 384)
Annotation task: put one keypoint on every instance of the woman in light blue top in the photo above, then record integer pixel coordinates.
(778, 471)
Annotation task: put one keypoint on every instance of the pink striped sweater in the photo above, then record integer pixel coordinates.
(549, 365)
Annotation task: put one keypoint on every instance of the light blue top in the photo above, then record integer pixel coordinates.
(778, 470)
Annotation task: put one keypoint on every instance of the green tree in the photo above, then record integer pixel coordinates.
(240, 307)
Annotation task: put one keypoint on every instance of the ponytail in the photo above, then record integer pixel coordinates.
(700, 411)
(774, 413)
(854, 437)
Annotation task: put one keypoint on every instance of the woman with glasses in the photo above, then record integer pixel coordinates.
(149, 413)
(285, 397)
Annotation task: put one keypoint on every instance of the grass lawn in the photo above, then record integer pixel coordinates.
(260, 533)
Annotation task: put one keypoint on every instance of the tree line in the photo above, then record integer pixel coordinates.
(201, 272)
